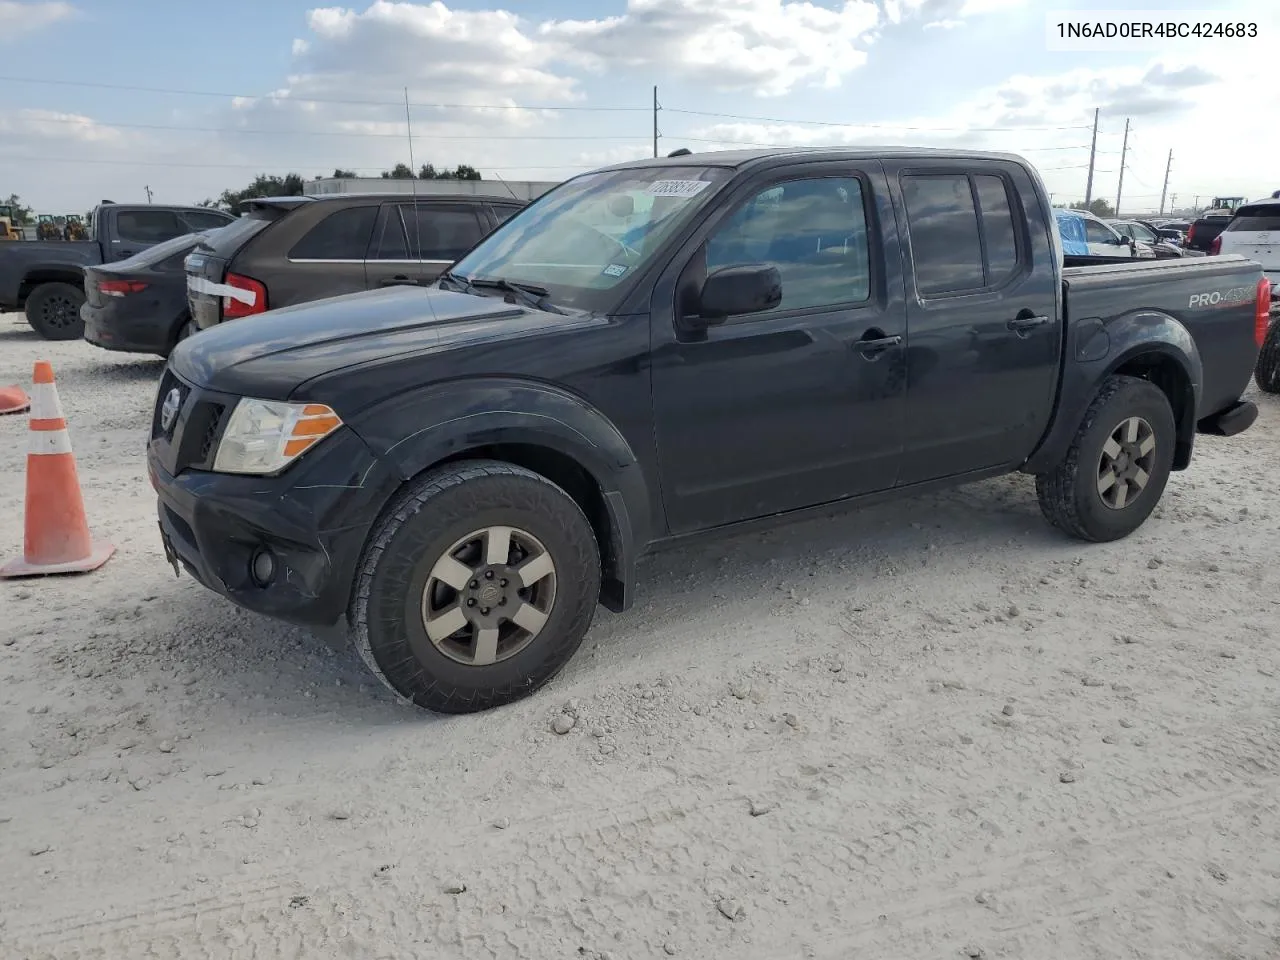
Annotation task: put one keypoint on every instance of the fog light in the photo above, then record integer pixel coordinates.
(262, 566)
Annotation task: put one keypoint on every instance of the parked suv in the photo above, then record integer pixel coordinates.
(289, 250)
(1254, 232)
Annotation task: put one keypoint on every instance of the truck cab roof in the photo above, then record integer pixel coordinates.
(768, 156)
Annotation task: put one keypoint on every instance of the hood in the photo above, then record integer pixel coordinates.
(270, 354)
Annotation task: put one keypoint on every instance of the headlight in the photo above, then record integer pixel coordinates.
(264, 436)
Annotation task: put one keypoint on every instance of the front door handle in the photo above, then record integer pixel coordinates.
(871, 349)
(398, 281)
(1023, 323)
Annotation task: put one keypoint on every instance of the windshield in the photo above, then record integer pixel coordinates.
(583, 239)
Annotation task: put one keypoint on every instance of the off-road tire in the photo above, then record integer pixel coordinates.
(1068, 494)
(385, 613)
(1267, 371)
(53, 310)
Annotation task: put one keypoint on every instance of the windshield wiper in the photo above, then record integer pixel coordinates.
(461, 281)
(530, 294)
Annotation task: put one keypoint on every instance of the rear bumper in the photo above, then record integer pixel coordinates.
(105, 328)
(1237, 418)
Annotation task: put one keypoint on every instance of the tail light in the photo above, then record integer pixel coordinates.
(255, 293)
(120, 288)
(1215, 247)
(1191, 234)
(1262, 312)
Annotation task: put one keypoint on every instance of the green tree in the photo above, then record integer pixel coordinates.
(340, 174)
(1097, 206)
(263, 185)
(21, 213)
(400, 171)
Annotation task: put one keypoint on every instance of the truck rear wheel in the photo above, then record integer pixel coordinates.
(53, 310)
(1267, 370)
(1117, 465)
(475, 588)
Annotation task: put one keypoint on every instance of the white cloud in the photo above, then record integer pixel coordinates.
(767, 46)
(21, 18)
(58, 128)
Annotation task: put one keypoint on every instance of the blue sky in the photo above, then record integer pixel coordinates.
(971, 72)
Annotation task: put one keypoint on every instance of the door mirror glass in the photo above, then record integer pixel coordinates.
(730, 291)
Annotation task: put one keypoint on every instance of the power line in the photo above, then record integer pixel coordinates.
(169, 91)
(821, 146)
(881, 126)
(316, 133)
(260, 166)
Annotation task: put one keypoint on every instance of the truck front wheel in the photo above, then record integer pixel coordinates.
(1117, 466)
(476, 587)
(1267, 371)
(53, 310)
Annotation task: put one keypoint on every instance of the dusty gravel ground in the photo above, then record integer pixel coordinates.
(930, 729)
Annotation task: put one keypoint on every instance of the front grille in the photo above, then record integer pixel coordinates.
(190, 440)
(210, 443)
(168, 383)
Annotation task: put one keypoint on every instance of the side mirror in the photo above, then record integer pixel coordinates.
(730, 291)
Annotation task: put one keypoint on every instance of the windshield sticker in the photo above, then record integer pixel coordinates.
(677, 188)
(614, 270)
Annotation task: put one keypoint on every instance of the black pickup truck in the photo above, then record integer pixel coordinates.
(669, 348)
(46, 278)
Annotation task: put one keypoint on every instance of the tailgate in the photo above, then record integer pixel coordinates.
(204, 275)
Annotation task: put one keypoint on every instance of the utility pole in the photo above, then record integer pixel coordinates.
(1093, 152)
(1124, 149)
(148, 189)
(1173, 203)
(655, 119)
(1165, 189)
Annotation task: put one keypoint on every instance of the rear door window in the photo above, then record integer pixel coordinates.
(1257, 219)
(943, 225)
(342, 235)
(442, 232)
(503, 212)
(391, 243)
(1000, 235)
(149, 226)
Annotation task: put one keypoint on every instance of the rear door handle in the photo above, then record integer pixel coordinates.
(871, 349)
(1021, 324)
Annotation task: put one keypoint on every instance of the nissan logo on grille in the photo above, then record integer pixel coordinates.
(169, 412)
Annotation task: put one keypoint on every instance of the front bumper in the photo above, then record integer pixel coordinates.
(105, 328)
(312, 520)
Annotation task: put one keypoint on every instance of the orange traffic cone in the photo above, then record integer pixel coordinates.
(13, 400)
(57, 533)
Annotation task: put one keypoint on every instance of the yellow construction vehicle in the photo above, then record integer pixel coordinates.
(7, 229)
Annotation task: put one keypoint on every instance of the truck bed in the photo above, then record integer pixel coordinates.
(1212, 297)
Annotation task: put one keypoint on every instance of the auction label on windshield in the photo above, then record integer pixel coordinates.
(677, 188)
(1116, 30)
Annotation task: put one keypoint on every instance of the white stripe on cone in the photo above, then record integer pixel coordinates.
(44, 442)
(45, 404)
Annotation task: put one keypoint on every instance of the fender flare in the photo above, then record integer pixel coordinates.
(458, 416)
(1099, 349)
